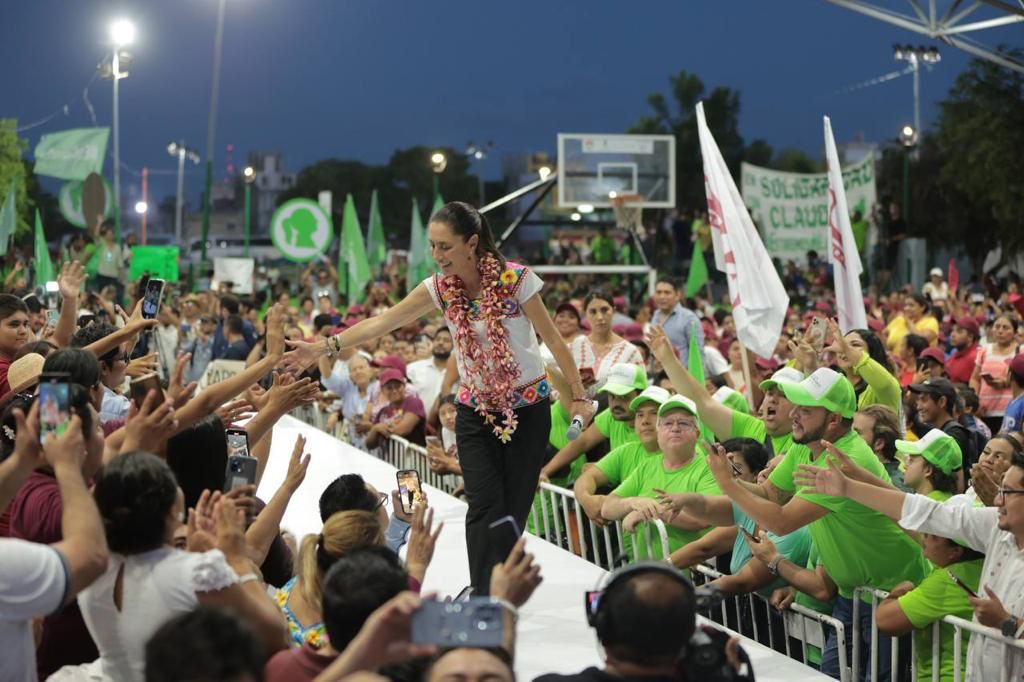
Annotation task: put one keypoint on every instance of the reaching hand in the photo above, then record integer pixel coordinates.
(827, 481)
(989, 611)
(422, 540)
(140, 367)
(27, 452)
(659, 344)
(719, 464)
(985, 483)
(230, 529)
(297, 465)
(68, 448)
(275, 330)
(257, 395)
(72, 275)
(177, 392)
(804, 353)
(301, 356)
(516, 578)
(150, 425)
(846, 355)
(675, 502)
(383, 639)
(648, 508)
(287, 394)
(233, 411)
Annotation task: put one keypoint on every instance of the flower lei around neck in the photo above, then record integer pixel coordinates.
(497, 363)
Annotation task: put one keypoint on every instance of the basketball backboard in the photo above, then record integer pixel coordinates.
(593, 168)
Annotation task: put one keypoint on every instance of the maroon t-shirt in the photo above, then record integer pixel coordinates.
(390, 413)
(36, 512)
(960, 365)
(301, 664)
(5, 387)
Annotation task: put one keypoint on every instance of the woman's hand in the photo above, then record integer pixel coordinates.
(422, 540)
(141, 366)
(301, 356)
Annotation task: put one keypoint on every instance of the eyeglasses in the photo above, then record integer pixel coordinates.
(382, 500)
(1005, 492)
(676, 425)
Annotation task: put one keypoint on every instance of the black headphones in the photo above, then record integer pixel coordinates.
(595, 602)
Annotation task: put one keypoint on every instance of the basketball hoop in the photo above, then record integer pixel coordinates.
(629, 211)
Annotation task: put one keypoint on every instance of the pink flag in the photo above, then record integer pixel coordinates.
(759, 300)
(842, 248)
(954, 276)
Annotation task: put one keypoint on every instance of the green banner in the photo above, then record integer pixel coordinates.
(791, 209)
(72, 154)
(43, 264)
(8, 218)
(353, 270)
(158, 261)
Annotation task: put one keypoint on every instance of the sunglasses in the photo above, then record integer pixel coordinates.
(382, 500)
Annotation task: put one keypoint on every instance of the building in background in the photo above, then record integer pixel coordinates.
(271, 180)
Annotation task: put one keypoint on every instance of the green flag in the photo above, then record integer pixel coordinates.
(158, 261)
(695, 365)
(44, 267)
(698, 275)
(8, 218)
(376, 245)
(438, 203)
(72, 154)
(353, 269)
(418, 269)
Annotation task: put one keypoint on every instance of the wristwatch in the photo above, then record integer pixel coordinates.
(1009, 627)
(773, 565)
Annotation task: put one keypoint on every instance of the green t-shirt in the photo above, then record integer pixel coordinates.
(618, 464)
(618, 433)
(937, 596)
(939, 495)
(560, 420)
(806, 600)
(749, 426)
(795, 546)
(858, 546)
(694, 477)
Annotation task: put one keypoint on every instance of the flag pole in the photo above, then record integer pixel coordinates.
(748, 388)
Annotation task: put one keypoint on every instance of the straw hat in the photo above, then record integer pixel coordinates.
(25, 371)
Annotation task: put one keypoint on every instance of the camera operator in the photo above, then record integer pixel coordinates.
(646, 621)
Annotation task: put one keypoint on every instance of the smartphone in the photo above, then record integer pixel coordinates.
(151, 299)
(51, 318)
(141, 387)
(478, 622)
(735, 469)
(433, 440)
(409, 490)
(238, 442)
(54, 404)
(504, 533)
(748, 534)
(819, 329)
(464, 594)
(961, 584)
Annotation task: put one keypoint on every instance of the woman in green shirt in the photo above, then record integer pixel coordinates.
(862, 357)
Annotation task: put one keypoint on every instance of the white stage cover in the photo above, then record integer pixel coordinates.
(553, 634)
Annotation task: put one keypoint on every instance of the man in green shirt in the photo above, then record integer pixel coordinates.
(773, 430)
(625, 381)
(932, 463)
(858, 546)
(682, 468)
(618, 464)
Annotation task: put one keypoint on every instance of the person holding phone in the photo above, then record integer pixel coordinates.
(989, 380)
(494, 311)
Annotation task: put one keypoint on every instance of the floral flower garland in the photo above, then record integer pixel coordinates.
(497, 363)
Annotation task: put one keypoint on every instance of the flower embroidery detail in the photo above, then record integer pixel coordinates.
(509, 277)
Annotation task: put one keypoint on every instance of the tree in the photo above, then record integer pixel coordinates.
(980, 134)
(721, 109)
(13, 168)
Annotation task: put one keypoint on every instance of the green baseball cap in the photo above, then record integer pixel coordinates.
(732, 399)
(824, 388)
(938, 449)
(789, 375)
(655, 394)
(624, 378)
(676, 402)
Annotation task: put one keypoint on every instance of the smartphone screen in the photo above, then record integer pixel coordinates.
(151, 300)
(238, 442)
(409, 490)
(505, 533)
(54, 407)
(433, 440)
(818, 331)
(51, 317)
(141, 387)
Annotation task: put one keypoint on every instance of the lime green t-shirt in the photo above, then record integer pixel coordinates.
(858, 546)
(749, 426)
(618, 433)
(939, 495)
(651, 473)
(623, 460)
(813, 561)
(933, 598)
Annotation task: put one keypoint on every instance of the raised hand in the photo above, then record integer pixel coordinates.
(151, 424)
(233, 411)
(177, 391)
(422, 540)
(27, 451)
(719, 464)
(516, 578)
(301, 356)
(72, 275)
(288, 394)
(67, 448)
(846, 355)
(139, 367)
(275, 330)
(659, 344)
(298, 465)
(827, 481)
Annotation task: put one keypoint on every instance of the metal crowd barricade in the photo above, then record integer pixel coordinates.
(659, 526)
(401, 454)
(563, 522)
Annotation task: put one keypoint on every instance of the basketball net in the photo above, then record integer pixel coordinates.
(629, 211)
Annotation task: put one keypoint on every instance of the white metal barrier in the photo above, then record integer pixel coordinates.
(401, 454)
(958, 624)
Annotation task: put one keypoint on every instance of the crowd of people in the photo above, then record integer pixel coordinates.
(889, 457)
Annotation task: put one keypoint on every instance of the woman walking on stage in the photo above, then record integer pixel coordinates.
(492, 308)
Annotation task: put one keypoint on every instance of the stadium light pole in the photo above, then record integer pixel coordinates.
(122, 33)
(249, 176)
(915, 56)
(211, 123)
(438, 162)
(908, 138)
(179, 150)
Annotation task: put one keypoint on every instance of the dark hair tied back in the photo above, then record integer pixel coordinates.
(466, 221)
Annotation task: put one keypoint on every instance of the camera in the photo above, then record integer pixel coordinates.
(704, 659)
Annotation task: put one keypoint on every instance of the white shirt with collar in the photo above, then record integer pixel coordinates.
(426, 380)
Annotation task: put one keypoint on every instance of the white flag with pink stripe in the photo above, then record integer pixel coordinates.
(842, 248)
(759, 300)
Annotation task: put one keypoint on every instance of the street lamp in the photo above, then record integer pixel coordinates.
(915, 56)
(438, 162)
(179, 150)
(908, 138)
(141, 207)
(544, 172)
(249, 176)
(122, 32)
(479, 152)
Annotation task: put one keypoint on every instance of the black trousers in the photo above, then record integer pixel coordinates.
(500, 480)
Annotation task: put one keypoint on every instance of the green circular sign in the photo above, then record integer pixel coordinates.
(301, 230)
(70, 201)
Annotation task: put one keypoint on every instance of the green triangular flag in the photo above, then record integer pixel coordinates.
(8, 218)
(353, 270)
(44, 267)
(417, 271)
(698, 275)
(376, 245)
(438, 204)
(695, 365)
